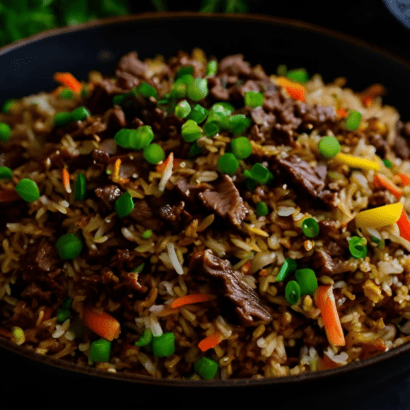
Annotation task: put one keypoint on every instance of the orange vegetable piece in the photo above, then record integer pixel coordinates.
(295, 90)
(325, 301)
(66, 180)
(210, 341)
(162, 166)
(342, 112)
(189, 299)
(404, 225)
(103, 324)
(69, 81)
(380, 180)
(401, 178)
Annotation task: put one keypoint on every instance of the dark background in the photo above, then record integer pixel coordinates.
(368, 20)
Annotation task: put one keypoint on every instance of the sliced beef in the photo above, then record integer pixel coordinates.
(130, 70)
(190, 191)
(101, 96)
(108, 195)
(322, 262)
(145, 215)
(100, 156)
(401, 142)
(46, 256)
(174, 215)
(226, 283)
(380, 198)
(306, 178)
(225, 200)
(235, 65)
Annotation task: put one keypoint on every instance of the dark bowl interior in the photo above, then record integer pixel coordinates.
(28, 67)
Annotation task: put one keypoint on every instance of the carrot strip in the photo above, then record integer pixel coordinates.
(69, 81)
(380, 180)
(210, 341)
(116, 173)
(295, 90)
(404, 225)
(326, 362)
(163, 165)
(245, 267)
(368, 101)
(325, 301)
(66, 180)
(166, 312)
(401, 178)
(103, 324)
(342, 112)
(189, 299)
(9, 195)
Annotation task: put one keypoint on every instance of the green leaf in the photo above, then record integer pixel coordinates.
(209, 6)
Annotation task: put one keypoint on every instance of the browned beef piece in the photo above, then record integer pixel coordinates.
(101, 96)
(190, 191)
(314, 115)
(218, 89)
(228, 285)
(225, 200)
(401, 143)
(234, 65)
(109, 194)
(322, 263)
(115, 118)
(145, 215)
(109, 146)
(100, 156)
(308, 179)
(379, 198)
(172, 215)
(131, 71)
(46, 256)
(33, 290)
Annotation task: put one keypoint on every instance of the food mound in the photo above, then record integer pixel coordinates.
(196, 218)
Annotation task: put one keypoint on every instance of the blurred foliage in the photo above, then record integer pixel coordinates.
(23, 18)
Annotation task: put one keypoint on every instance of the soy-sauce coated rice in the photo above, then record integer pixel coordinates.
(206, 235)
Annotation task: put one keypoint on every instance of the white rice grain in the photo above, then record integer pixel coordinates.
(174, 258)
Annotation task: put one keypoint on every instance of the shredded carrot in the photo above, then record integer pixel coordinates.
(162, 165)
(402, 179)
(326, 362)
(211, 341)
(116, 173)
(368, 101)
(103, 324)
(404, 225)
(69, 81)
(380, 180)
(263, 272)
(342, 112)
(48, 311)
(295, 90)
(66, 180)
(166, 312)
(9, 195)
(245, 267)
(325, 301)
(189, 299)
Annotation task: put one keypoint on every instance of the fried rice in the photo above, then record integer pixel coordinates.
(195, 229)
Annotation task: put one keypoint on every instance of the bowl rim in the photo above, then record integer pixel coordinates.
(220, 383)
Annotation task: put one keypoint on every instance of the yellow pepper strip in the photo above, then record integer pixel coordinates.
(357, 162)
(378, 217)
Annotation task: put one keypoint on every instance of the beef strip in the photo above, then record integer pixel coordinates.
(226, 283)
(225, 200)
(130, 70)
(401, 142)
(322, 263)
(46, 256)
(108, 194)
(307, 178)
(145, 215)
(101, 96)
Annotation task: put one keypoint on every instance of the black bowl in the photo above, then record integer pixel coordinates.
(28, 67)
